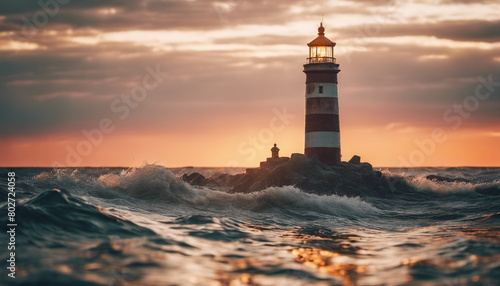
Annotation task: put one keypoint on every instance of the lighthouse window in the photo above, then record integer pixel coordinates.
(320, 89)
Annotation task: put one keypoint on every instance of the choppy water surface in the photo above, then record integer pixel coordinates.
(144, 226)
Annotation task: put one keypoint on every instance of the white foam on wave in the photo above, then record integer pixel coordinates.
(420, 182)
(292, 197)
(149, 181)
(60, 174)
(157, 182)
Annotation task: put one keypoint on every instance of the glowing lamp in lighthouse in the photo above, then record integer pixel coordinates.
(322, 134)
(321, 48)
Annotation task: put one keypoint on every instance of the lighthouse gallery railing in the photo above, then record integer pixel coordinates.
(315, 60)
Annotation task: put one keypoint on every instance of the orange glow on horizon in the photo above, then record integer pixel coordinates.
(219, 78)
(219, 149)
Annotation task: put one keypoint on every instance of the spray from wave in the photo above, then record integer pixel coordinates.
(452, 182)
(154, 182)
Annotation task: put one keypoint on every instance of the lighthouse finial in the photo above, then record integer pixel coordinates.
(321, 30)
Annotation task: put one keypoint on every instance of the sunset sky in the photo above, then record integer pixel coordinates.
(419, 82)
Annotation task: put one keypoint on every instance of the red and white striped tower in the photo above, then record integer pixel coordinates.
(322, 105)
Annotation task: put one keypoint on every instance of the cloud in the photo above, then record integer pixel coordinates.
(229, 68)
(66, 89)
(465, 30)
(27, 6)
(150, 15)
(468, 1)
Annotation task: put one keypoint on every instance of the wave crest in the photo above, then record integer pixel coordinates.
(157, 182)
(147, 182)
(56, 213)
(446, 185)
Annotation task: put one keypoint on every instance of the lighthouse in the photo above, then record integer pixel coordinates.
(322, 138)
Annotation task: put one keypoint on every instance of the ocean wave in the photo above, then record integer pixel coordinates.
(446, 185)
(449, 187)
(292, 198)
(154, 229)
(147, 182)
(56, 214)
(157, 182)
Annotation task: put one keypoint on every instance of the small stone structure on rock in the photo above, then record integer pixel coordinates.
(313, 176)
(275, 159)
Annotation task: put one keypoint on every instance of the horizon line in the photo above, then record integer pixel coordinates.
(219, 167)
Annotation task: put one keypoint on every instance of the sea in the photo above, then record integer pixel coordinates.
(145, 226)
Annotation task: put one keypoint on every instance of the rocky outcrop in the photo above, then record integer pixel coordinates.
(313, 176)
(223, 180)
(216, 181)
(352, 178)
(195, 179)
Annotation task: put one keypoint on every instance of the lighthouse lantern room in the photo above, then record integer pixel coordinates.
(321, 48)
(322, 132)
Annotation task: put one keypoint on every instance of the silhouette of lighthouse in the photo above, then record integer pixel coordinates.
(322, 105)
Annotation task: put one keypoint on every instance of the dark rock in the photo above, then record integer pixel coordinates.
(195, 179)
(350, 167)
(313, 176)
(366, 168)
(355, 160)
(223, 180)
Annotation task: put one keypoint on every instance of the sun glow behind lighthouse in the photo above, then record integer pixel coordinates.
(401, 62)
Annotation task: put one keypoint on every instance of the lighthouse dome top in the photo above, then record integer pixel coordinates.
(321, 40)
(321, 49)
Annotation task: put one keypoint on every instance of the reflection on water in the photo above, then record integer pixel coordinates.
(486, 234)
(385, 258)
(95, 234)
(329, 262)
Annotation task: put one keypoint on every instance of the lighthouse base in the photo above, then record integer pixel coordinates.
(311, 176)
(327, 155)
(314, 176)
